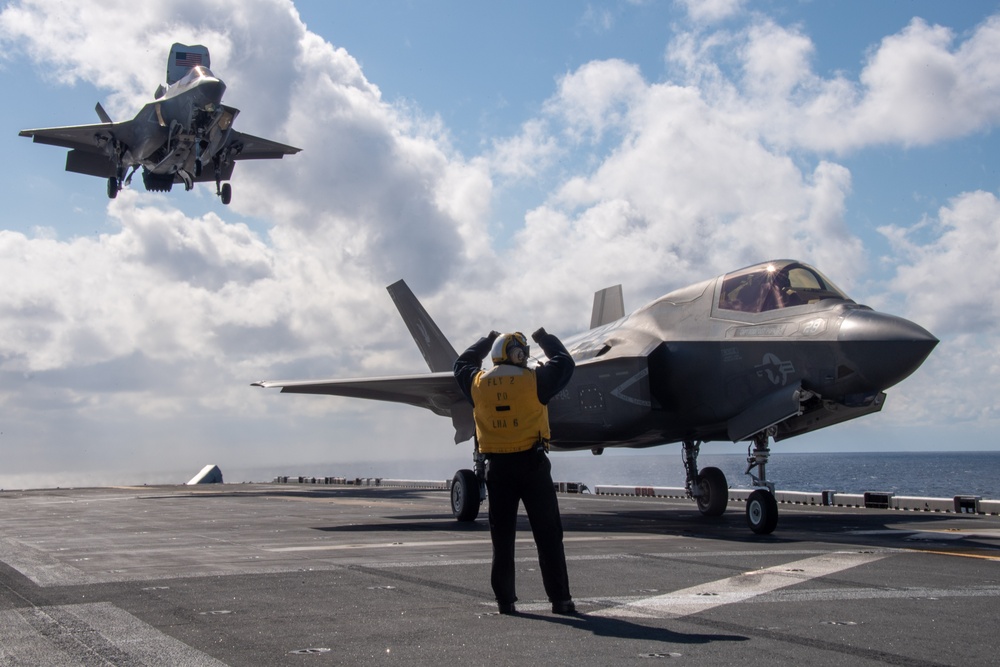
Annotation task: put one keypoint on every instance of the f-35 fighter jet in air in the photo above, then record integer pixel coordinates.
(185, 135)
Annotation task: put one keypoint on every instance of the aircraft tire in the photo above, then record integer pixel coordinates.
(226, 194)
(112, 187)
(714, 492)
(465, 495)
(762, 512)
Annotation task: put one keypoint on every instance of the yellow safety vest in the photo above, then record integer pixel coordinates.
(509, 417)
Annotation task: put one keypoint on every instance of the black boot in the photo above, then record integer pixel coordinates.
(565, 607)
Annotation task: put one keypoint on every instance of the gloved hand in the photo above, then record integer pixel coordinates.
(492, 336)
(538, 334)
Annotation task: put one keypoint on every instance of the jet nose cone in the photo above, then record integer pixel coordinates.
(207, 89)
(212, 89)
(883, 349)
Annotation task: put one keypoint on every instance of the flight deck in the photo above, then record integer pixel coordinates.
(283, 574)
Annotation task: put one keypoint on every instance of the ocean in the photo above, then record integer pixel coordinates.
(929, 474)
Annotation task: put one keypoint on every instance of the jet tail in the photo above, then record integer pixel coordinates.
(439, 354)
(609, 305)
(102, 114)
(437, 351)
(182, 58)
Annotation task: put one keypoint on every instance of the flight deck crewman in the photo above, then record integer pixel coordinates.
(512, 428)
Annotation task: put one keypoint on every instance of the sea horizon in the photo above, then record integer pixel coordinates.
(930, 474)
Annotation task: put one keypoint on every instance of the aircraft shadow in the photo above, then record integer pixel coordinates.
(621, 629)
(866, 527)
(435, 523)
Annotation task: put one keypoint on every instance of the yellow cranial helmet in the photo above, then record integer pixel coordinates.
(511, 348)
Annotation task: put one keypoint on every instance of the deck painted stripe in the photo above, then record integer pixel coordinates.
(740, 588)
(89, 634)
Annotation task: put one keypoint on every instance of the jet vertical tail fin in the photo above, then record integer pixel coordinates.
(609, 305)
(182, 58)
(439, 354)
(437, 351)
(102, 114)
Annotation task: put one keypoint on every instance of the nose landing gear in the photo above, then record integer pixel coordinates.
(762, 508)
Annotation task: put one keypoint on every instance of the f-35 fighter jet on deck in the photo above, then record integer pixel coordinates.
(774, 350)
(184, 136)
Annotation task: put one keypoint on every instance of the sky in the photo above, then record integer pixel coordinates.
(507, 160)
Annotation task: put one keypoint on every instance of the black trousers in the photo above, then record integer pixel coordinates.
(525, 477)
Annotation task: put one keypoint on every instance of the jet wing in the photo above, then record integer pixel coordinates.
(90, 138)
(438, 392)
(90, 145)
(255, 148)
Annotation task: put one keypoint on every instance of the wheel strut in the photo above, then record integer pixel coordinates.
(690, 454)
(479, 466)
(757, 458)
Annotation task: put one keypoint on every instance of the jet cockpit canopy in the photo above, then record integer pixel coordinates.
(774, 285)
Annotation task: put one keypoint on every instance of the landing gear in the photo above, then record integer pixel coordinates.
(708, 487)
(115, 182)
(714, 494)
(762, 508)
(465, 495)
(224, 190)
(762, 512)
(116, 151)
(468, 489)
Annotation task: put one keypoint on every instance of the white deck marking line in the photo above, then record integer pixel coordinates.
(734, 589)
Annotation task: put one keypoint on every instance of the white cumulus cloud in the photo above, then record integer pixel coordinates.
(152, 330)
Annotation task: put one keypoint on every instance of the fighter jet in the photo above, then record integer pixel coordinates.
(184, 136)
(768, 352)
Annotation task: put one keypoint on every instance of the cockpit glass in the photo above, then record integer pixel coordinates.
(775, 285)
(197, 72)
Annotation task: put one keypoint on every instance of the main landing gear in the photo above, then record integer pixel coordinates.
(224, 190)
(116, 182)
(119, 180)
(708, 486)
(468, 489)
(710, 490)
